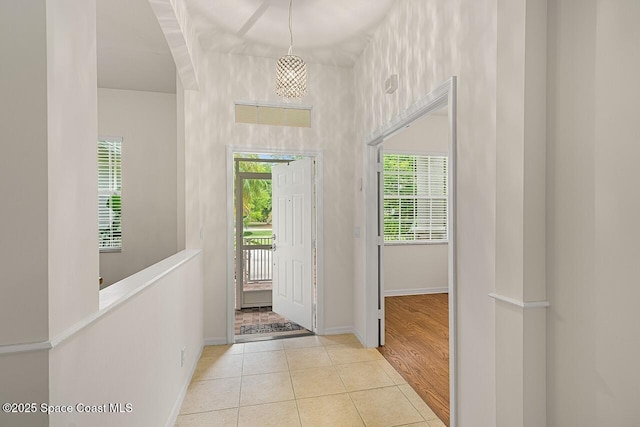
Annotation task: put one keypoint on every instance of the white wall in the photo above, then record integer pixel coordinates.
(415, 269)
(425, 43)
(23, 173)
(131, 353)
(420, 268)
(48, 254)
(72, 181)
(147, 123)
(593, 207)
(210, 127)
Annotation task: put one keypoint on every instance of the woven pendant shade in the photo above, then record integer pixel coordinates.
(291, 77)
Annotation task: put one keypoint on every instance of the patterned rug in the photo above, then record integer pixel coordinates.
(266, 328)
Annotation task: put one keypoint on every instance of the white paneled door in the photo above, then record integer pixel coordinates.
(292, 191)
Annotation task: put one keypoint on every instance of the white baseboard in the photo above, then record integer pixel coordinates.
(416, 291)
(175, 411)
(215, 341)
(338, 330)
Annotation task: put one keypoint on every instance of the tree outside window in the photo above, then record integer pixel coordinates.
(415, 198)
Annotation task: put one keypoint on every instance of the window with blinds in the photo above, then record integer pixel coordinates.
(110, 194)
(415, 198)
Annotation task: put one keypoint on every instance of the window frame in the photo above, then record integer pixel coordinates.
(415, 153)
(105, 192)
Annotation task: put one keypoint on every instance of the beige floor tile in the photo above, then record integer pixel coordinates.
(340, 339)
(266, 388)
(222, 350)
(436, 423)
(221, 367)
(420, 424)
(264, 362)
(302, 358)
(223, 418)
(211, 395)
(415, 399)
(391, 371)
(331, 411)
(302, 342)
(280, 414)
(363, 375)
(257, 346)
(382, 407)
(316, 382)
(341, 353)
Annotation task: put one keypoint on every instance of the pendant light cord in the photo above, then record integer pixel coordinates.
(290, 27)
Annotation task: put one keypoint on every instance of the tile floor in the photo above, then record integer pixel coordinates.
(306, 381)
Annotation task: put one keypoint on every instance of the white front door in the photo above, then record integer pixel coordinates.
(292, 191)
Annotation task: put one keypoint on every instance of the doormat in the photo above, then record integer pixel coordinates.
(265, 328)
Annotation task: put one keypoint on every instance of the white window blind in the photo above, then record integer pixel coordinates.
(110, 194)
(415, 198)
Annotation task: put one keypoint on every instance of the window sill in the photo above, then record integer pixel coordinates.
(110, 250)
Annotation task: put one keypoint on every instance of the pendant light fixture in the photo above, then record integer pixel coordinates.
(291, 71)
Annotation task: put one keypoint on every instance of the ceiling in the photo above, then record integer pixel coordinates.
(324, 31)
(133, 53)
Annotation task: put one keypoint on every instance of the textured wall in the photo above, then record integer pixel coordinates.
(210, 128)
(426, 42)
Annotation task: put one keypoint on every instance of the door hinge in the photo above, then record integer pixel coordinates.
(380, 314)
(378, 167)
(380, 241)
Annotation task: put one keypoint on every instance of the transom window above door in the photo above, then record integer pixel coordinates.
(275, 115)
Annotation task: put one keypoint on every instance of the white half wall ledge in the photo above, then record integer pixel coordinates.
(25, 348)
(518, 303)
(110, 298)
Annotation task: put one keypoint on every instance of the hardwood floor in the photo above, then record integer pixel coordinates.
(417, 345)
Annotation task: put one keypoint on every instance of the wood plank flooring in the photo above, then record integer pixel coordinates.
(417, 345)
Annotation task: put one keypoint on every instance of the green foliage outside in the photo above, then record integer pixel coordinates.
(256, 193)
(415, 189)
(109, 199)
(399, 178)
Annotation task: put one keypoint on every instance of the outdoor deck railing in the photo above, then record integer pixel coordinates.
(258, 259)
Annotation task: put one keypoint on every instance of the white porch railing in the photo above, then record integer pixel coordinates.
(257, 259)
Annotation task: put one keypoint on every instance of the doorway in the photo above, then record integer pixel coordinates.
(415, 261)
(266, 197)
(443, 97)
